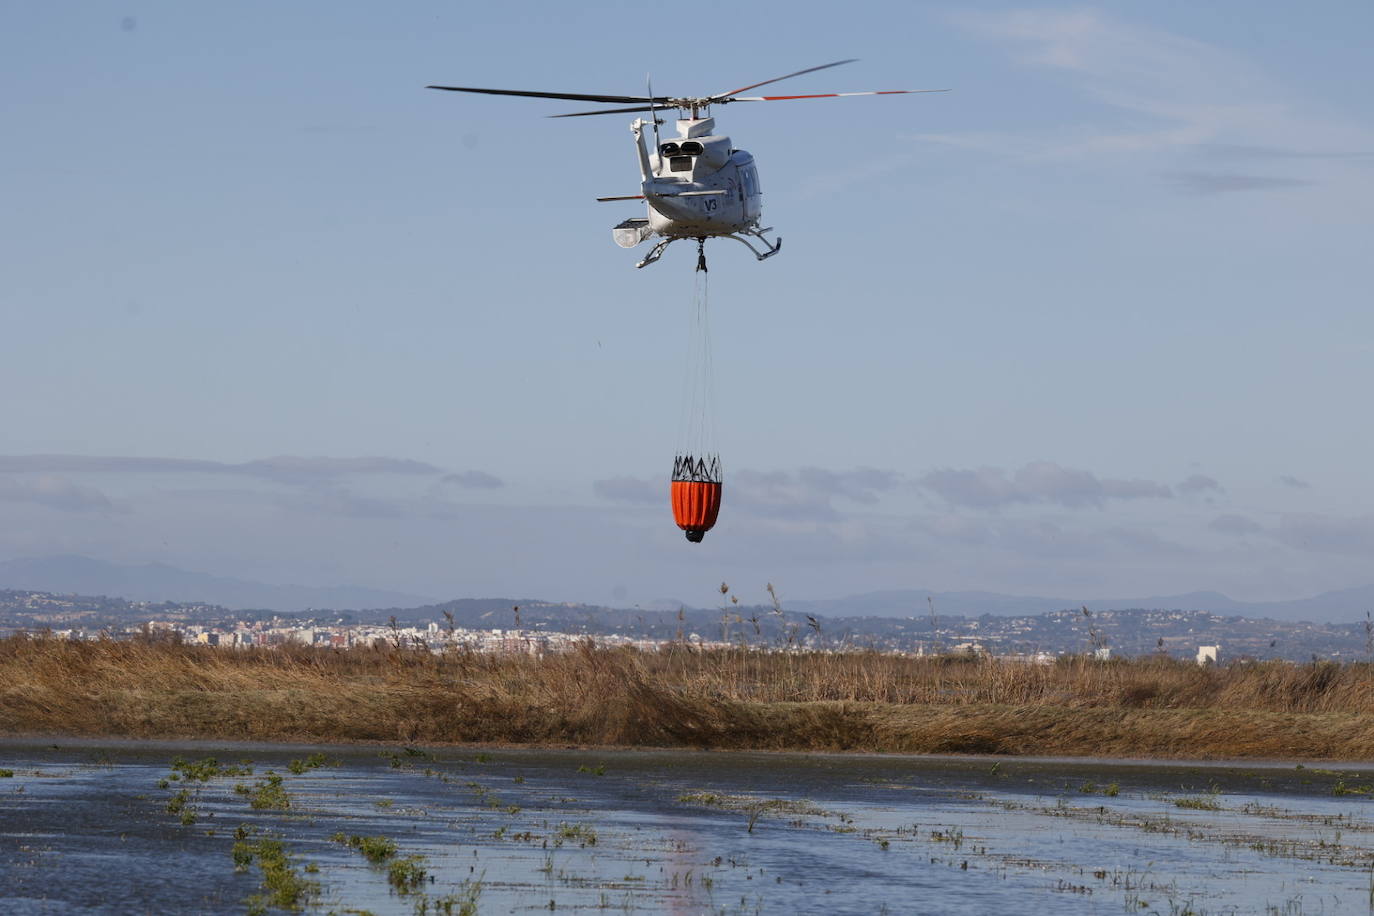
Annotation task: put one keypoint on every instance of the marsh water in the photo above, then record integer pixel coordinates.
(127, 828)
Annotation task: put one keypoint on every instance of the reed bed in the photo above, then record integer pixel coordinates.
(683, 696)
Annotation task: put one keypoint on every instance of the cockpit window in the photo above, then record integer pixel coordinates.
(749, 179)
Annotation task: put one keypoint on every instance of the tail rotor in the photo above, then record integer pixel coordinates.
(653, 109)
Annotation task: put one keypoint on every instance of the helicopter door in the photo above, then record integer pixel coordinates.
(749, 184)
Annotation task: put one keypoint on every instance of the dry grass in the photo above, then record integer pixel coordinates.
(728, 698)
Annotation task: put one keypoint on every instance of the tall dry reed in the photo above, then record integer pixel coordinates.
(686, 696)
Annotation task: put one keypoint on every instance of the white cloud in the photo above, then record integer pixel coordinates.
(809, 493)
(1229, 182)
(474, 480)
(313, 485)
(1328, 533)
(281, 467)
(1037, 482)
(631, 490)
(1200, 483)
(861, 485)
(1236, 525)
(291, 466)
(1060, 540)
(330, 499)
(1165, 95)
(55, 493)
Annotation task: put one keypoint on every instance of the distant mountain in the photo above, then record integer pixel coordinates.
(1344, 606)
(159, 582)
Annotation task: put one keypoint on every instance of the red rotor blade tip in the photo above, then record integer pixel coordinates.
(724, 95)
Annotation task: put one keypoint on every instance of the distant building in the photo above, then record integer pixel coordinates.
(1207, 655)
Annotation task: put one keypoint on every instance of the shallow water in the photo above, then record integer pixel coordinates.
(84, 827)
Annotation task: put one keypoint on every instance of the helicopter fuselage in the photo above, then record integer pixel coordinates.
(696, 186)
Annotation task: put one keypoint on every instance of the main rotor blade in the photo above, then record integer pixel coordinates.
(576, 97)
(825, 95)
(583, 114)
(724, 95)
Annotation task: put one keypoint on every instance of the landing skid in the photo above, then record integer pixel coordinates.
(656, 252)
(769, 248)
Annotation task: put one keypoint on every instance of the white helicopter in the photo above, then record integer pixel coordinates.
(697, 186)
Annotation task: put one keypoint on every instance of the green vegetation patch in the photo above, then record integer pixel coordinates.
(191, 775)
(407, 756)
(205, 769)
(462, 903)
(180, 805)
(313, 762)
(1340, 788)
(407, 874)
(376, 849)
(1111, 790)
(283, 888)
(266, 794)
(578, 833)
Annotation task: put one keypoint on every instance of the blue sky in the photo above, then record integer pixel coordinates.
(1093, 323)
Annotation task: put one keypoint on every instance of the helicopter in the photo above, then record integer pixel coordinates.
(696, 185)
